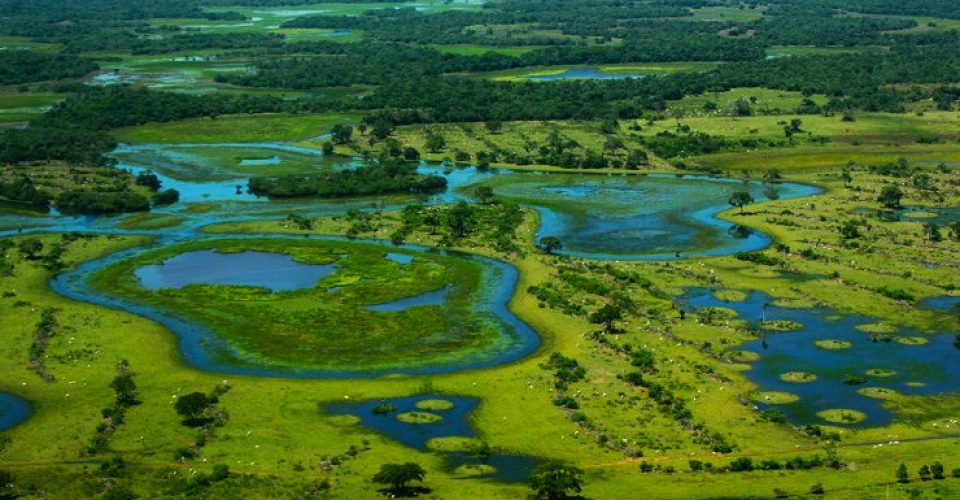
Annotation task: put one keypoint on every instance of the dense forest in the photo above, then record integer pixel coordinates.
(22, 66)
(411, 81)
(388, 176)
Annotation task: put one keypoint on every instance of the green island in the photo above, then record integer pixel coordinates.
(565, 249)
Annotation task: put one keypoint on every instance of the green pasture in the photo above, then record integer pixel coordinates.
(238, 128)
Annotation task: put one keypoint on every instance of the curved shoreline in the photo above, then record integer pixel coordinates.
(197, 343)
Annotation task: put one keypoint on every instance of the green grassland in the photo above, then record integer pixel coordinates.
(727, 14)
(240, 128)
(16, 108)
(479, 50)
(800, 50)
(8, 42)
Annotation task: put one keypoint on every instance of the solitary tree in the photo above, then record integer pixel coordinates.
(890, 197)
(410, 153)
(192, 405)
(932, 232)
(846, 177)
(435, 142)
(493, 126)
(125, 389)
(550, 244)
(772, 175)
(902, 475)
(397, 476)
(342, 133)
(553, 480)
(605, 316)
(458, 218)
(740, 198)
(484, 193)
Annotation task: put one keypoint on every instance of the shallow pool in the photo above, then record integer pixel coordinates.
(935, 364)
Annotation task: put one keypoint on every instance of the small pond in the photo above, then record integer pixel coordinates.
(276, 271)
(452, 422)
(13, 410)
(582, 74)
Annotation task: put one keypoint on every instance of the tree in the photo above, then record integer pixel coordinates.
(397, 476)
(125, 388)
(458, 218)
(553, 480)
(606, 315)
(772, 193)
(341, 133)
(410, 153)
(742, 108)
(932, 232)
(166, 197)
(149, 180)
(890, 197)
(192, 405)
(772, 175)
(924, 472)
(937, 470)
(382, 129)
(954, 228)
(850, 230)
(327, 148)
(902, 475)
(29, 248)
(435, 142)
(493, 126)
(550, 244)
(484, 194)
(846, 177)
(740, 198)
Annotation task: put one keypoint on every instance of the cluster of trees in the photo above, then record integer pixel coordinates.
(387, 176)
(99, 202)
(549, 480)
(125, 391)
(23, 66)
(925, 472)
(824, 27)
(23, 190)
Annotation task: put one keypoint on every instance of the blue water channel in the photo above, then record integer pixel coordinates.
(203, 348)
